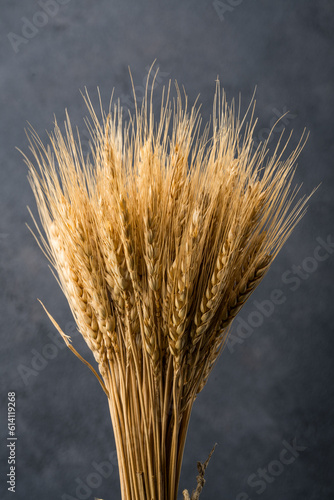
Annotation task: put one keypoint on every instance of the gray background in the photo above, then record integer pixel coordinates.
(272, 386)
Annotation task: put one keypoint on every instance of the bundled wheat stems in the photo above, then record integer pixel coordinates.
(158, 237)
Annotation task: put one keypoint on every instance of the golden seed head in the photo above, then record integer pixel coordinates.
(157, 244)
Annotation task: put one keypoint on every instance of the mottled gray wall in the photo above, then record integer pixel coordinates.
(274, 385)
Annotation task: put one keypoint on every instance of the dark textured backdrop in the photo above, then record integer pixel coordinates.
(273, 385)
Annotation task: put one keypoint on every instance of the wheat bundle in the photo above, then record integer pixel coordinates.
(158, 238)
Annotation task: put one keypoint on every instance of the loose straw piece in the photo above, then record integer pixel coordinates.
(67, 340)
(200, 478)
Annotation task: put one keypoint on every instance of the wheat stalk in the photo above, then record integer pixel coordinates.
(157, 240)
